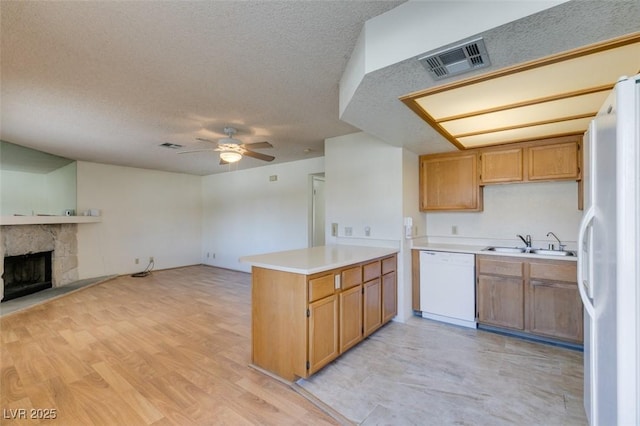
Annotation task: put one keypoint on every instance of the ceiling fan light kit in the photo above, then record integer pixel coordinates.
(230, 156)
(233, 150)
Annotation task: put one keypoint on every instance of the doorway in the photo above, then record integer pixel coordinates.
(317, 229)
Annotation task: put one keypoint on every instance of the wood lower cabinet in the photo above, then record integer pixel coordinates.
(389, 296)
(323, 332)
(350, 317)
(555, 307)
(300, 323)
(492, 294)
(372, 306)
(500, 292)
(538, 296)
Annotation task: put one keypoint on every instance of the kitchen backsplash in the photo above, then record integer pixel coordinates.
(511, 209)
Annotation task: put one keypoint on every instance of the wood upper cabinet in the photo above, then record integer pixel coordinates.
(554, 162)
(500, 292)
(555, 308)
(449, 182)
(454, 181)
(501, 166)
(544, 160)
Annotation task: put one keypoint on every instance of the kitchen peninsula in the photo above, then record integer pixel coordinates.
(308, 306)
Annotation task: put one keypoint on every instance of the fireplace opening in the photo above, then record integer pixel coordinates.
(26, 274)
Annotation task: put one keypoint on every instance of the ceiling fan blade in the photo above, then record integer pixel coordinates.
(258, 155)
(205, 140)
(197, 150)
(257, 145)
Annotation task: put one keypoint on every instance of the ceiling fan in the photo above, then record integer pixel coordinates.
(232, 150)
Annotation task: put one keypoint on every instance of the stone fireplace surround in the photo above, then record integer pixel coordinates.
(60, 238)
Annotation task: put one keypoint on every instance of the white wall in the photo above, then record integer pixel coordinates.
(425, 26)
(144, 213)
(529, 208)
(22, 193)
(29, 193)
(371, 183)
(410, 208)
(245, 213)
(363, 186)
(61, 189)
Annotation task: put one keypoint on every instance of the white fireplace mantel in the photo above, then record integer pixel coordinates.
(47, 220)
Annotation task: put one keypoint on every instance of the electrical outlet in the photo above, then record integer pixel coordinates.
(151, 259)
(273, 178)
(208, 254)
(454, 230)
(367, 231)
(214, 255)
(334, 229)
(137, 261)
(348, 231)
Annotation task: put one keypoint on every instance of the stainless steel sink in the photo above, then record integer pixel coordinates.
(542, 252)
(546, 252)
(506, 249)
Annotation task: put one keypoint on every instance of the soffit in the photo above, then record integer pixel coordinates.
(553, 96)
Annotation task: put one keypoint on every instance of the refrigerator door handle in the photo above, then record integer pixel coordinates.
(587, 219)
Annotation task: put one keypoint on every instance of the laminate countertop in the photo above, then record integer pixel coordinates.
(475, 249)
(312, 260)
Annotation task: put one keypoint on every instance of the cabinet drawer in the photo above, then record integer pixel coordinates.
(388, 265)
(351, 277)
(565, 271)
(500, 267)
(371, 271)
(321, 287)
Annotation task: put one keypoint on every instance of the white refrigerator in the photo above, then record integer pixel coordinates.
(609, 258)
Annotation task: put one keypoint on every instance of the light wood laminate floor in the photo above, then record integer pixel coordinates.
(173, 349)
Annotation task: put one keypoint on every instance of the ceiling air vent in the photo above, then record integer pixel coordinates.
(457, 60)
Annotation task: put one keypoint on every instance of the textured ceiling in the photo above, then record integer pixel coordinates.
(109, 81)
(376, 108)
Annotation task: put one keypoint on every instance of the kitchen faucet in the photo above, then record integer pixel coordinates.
(560, 245)
(527, 240)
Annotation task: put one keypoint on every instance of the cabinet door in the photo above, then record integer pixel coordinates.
(501, 166)
(323, 332)
(501, 301)
(389, 297)
(372, 310)
(449, 183)
(556, 310)
(551, 162)
(350, 317)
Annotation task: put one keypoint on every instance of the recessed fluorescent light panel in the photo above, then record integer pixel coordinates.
(553, 96)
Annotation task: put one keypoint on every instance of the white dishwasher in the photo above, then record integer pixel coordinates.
(447, 287)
